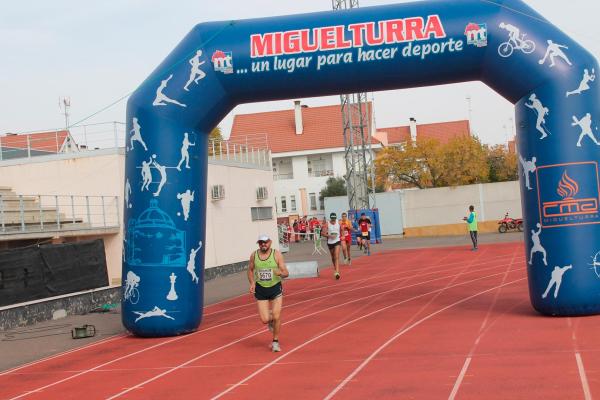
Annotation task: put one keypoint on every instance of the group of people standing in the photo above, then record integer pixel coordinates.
(302, 229)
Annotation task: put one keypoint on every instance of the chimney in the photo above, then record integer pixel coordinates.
(298, 117)
(413, 130)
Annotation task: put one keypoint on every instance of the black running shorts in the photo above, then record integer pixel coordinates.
(332, 245)
(268, 293)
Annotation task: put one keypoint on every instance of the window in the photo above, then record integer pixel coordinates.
(283, 204)
(262, 193)
(217, 192)
(293, 202)
(322, 203)
(321, 165)
(261, 213)
(313, 201)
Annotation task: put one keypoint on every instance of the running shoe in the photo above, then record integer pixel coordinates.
(337, 276)
(275, 347)
(369, 252)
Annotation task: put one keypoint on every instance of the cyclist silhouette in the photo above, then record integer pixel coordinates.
(516, 41)
(131, 283)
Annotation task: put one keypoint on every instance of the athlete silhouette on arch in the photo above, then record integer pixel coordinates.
(529, 167)
(537, 245)
(136, 132)
(161, 98)
(555, 50)
(584, 85)
(556, 279)
(185, 154)
(585, 124)
(196, 74)
(541, 111)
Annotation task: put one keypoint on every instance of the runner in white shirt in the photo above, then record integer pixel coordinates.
(334, 243)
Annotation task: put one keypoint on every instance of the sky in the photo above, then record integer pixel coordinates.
(97, 52)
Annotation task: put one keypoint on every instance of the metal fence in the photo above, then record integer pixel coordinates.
(52, 213)
(81, 138)
(225, 150)
(252, 149)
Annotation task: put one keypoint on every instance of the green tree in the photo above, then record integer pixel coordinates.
(503, 164)
(334, 187)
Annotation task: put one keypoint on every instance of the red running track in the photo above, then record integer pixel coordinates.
(442, 323)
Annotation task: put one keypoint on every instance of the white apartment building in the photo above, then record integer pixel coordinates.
(307, 148)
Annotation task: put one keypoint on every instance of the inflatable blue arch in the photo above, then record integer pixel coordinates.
(504, 43)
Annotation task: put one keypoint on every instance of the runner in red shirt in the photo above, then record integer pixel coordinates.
(364, 225)
(346, 227)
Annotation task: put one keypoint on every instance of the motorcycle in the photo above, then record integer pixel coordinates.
(510, 224)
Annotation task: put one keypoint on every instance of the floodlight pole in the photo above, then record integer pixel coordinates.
(357, 140)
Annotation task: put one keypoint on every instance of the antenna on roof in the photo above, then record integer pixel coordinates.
(64, 103)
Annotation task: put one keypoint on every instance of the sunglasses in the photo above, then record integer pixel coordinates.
(262, 242)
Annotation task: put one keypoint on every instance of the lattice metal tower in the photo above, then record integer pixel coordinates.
(357, 140)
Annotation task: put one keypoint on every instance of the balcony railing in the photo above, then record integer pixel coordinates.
(321, 173)
(282, 177)
(225, 150)
(252, 149)
(54, 213)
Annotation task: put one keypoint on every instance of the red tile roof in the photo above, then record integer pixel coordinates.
(51, 142)
(322, 129)
(442, 131)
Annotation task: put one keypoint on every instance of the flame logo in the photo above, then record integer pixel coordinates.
(567, 187)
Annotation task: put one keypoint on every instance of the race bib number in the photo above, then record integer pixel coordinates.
(365, 233)
(265, 274)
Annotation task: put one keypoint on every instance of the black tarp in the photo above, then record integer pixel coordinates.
(50, 270)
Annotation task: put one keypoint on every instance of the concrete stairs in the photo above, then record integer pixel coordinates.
(25, 214)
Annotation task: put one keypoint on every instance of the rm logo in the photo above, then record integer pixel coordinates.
(568, 194)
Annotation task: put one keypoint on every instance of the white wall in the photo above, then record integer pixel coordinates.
(439, 206)
(230, 233)
(443, 206)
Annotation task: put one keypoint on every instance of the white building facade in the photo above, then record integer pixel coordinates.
(299, 178)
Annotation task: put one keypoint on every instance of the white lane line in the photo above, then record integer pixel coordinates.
(105, 340)
(482, 330)
(122, 358)
(223, 324)
(288, 322)
(383, 346)
(582, 374)
(366, 361)
(460, 378)
(326, 285)
(584, 382)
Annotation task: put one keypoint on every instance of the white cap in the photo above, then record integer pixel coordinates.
(263, 238)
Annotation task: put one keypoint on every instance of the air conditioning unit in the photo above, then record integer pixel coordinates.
(217, 192)
(262, 193)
